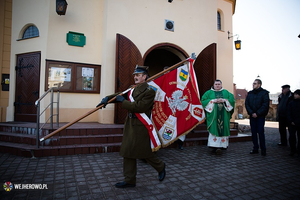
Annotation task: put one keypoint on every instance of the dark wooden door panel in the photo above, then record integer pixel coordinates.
(205, 68)
(27, 86)
(127, 57)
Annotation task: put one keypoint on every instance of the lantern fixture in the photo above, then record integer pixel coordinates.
(61, 7)
(237, 43)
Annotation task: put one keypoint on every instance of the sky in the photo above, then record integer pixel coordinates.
(270, 45)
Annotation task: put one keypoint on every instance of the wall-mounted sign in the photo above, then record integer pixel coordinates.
(75, 39)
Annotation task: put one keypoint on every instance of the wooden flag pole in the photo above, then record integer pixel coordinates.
(111, 100)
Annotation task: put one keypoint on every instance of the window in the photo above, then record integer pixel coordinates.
(73, 77)
(219, 21)
(30, 32)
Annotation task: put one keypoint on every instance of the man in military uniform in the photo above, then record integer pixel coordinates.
(283, 101)
(136, 140)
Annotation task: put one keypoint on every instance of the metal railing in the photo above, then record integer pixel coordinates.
(37, 104)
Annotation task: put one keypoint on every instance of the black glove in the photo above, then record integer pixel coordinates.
(120, 98)
(103, 102)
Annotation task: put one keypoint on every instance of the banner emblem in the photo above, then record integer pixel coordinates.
(183, 75)
(198, 112)
(168, 133)
(177, 101)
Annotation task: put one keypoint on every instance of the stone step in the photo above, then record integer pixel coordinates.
(60, 140)
(32, 151)
(83, 138)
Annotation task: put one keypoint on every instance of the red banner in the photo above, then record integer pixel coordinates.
(177, 109)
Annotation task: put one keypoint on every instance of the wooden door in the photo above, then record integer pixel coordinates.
(27, 86)
(205, 68)
(127, 57)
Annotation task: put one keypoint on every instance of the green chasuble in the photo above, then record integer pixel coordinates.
(218, 114)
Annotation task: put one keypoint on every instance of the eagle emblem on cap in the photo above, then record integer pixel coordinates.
(141, 69)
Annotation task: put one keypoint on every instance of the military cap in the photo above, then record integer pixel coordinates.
(285, 86)
(297, 92)
(140, 69)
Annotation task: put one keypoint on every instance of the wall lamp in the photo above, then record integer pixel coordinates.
(237, 43)
(61, 7)
(170, 1)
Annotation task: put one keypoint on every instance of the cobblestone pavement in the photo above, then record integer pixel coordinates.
(192, 173)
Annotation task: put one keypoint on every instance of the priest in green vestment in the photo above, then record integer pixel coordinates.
(218, 104)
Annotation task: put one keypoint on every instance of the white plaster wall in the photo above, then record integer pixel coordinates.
(83, 17)
(225, 47)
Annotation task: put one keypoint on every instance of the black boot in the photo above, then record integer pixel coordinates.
(180, 144)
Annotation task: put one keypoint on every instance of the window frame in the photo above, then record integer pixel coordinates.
(74, 76)
(33, 36)
(219, 21)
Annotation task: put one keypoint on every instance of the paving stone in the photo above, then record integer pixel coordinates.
(193, 173)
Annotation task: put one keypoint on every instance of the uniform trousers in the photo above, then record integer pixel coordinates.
(293, 139)
(130, 168)
(283, 124)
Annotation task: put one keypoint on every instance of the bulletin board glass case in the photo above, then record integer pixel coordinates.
(73, 77)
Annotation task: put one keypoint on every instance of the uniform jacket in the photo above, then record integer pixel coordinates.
(284, 112)
(136, 139)
(257, 101)
(294, 112)
(290, 97)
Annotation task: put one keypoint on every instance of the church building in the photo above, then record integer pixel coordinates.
(89, 49)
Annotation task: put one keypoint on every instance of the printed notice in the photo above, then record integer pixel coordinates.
(87, 72)
(60, 74)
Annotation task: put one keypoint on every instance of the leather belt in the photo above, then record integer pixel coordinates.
(132, 115)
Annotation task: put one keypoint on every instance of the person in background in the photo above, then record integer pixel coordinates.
(283, 100)
(257, 105)
(180, 142)
(136, 139)
(219, 106)
(293, 116)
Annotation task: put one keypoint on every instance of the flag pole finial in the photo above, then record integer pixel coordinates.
(193, 56)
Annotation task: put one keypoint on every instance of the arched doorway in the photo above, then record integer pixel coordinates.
(162, 55)
(128, 56)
